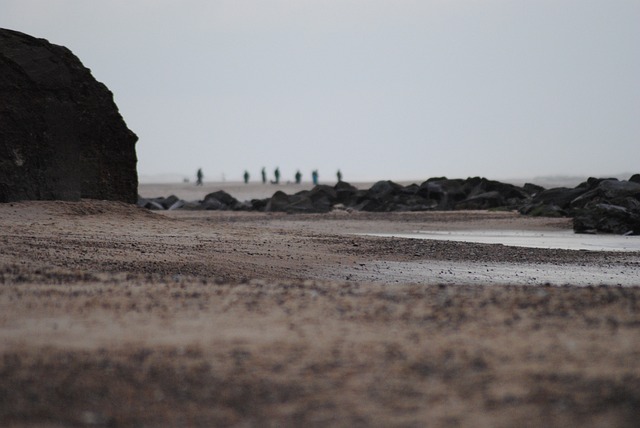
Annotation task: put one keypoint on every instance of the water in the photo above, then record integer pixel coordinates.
(433, 272)
(564, 239)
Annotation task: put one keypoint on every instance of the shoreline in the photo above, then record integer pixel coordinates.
(115, 315)
(257, 190)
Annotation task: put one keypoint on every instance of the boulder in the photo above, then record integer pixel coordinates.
(380, 197)
(320, 199)
(61, 135)
(323, 198)
(258, 204)
(415, 203)
(170, 201)
(371, 205)
(300, 203)
(383, 189)
(179, 204)
(212, 204)
(430, 190)
(609, 191)
(190, 206)
(151, 204)
(345, 193)
(542, 210)
(161, 203)
(323, 192)
(446, 192)
(278, 202)
(483, 201)
(532, 189)
(220, 200)
(505, 190)
(607, 218)
(559, 196)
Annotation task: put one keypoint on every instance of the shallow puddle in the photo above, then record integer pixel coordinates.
(565, 240)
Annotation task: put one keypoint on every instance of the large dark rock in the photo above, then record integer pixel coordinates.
(483, 201)
(346, 194)
(220, 200)
(323, 198)
(445, 192)
(607, 218)
(278, 202)
(609, 191)
(320, 199)
(532, 189)
(384, 189)
(609, 205)
(559, 196)
(554, 202)
(478, 185)
(61, 135)
(542, 210)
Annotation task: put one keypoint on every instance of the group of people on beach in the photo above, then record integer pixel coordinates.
(276, 175)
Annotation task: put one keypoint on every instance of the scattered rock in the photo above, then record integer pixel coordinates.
(597, 205)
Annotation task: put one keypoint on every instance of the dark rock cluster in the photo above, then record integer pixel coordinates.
(61, 135)
(597, 205)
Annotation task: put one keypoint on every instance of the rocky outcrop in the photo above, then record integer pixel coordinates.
(383, 196)
(607, 205)
(61, 135)
(597, 205)
(607, 218)
(604, 205)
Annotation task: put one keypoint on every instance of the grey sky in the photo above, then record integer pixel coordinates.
(396, 89)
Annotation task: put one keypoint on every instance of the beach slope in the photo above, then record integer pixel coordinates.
(116, 316)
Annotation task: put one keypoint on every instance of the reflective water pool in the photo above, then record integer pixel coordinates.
(563, 239)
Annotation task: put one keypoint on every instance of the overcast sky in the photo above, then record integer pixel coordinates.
(397, 89)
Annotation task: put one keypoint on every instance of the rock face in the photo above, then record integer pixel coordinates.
(61, 135)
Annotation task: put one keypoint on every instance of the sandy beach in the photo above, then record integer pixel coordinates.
(112, 315)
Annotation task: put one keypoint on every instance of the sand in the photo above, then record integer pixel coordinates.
(111, 315)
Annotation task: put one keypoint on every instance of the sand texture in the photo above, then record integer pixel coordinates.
(111, 315)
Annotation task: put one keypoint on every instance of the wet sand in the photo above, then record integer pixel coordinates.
(115, 316)
(554, 239)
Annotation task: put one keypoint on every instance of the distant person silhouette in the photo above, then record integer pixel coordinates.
(199, 176)
(314, 177)
(276, 174)
(264, 176)
(246, 177)
(339, 175)
(298, 177)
